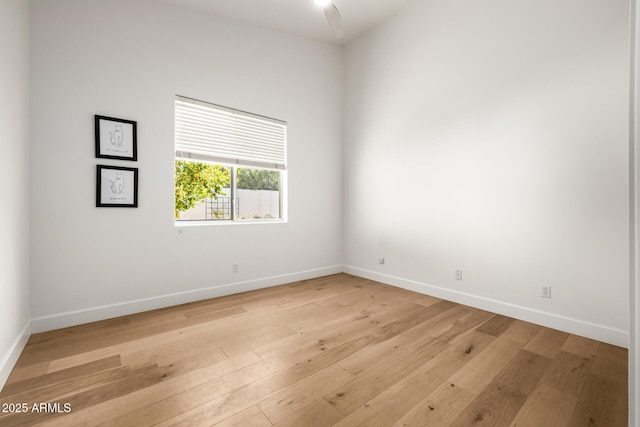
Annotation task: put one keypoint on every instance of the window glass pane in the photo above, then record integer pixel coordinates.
(202, 191)
(258, 194)
(230, 164)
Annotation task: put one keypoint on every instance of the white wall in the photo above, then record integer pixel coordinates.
(634, 195)
(14, 174)
(128, 59)
(510, 119)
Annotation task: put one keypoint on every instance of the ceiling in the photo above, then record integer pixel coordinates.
(300, 17)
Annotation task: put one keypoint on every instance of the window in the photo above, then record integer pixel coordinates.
(230, 165)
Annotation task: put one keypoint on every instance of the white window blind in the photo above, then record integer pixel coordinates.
(213, 133)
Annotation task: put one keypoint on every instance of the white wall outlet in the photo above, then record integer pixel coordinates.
(381, 260)
(235, 268)
(458, 274)
(545, 291)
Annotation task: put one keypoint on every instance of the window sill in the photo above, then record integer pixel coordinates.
(217, 223)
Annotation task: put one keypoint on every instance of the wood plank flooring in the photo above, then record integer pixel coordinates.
(337, 350)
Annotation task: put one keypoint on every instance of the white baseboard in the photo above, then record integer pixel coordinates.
(93, 314)
(9, 360)
(563, 323)
(575, 326)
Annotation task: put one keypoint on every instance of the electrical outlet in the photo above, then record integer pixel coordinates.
(458, 274)
(235, 268)
(545, 291)
(381, 260)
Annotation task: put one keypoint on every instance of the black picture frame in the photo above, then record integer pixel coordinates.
(116, 138)
(116, 187)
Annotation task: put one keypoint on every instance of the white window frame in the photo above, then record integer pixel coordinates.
(211, 133)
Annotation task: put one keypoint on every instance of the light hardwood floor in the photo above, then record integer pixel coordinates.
(338, 350)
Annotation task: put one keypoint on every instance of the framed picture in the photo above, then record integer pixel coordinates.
(116, 138)
(116, 187)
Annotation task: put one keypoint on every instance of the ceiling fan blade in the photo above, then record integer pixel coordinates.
(335, 20)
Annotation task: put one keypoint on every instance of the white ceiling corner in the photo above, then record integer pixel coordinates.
(300, 17)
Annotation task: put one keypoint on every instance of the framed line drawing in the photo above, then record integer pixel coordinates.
(116, 187)
(116, 138)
